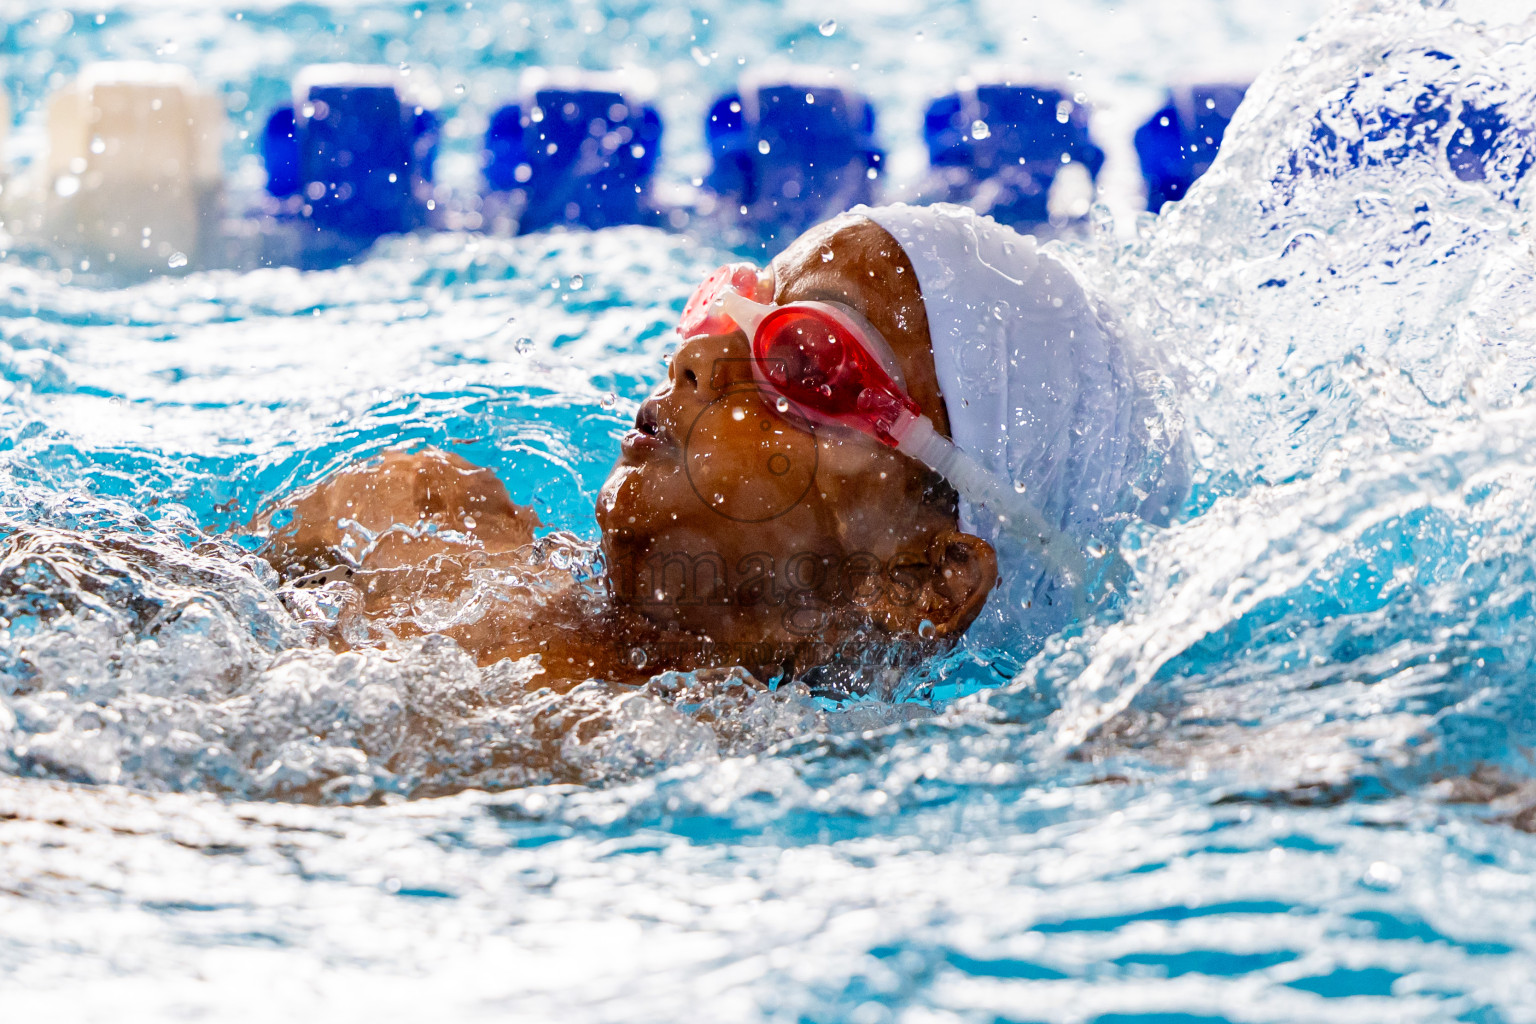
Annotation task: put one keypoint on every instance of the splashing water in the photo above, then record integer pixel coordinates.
(1347, 301)
(1273, 784)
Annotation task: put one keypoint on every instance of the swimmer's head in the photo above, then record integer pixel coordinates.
(729, 516)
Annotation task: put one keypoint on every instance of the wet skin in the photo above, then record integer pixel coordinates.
(734, 532)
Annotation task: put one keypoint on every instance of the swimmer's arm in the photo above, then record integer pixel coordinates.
(509, 604)
(410, 497)
(432, 543)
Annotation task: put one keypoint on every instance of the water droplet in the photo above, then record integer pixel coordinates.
(828, 27)
(763, 147)
(608, 400)
(458, 90)
(469, 522)
(1019, 487)
(177, 260)
(98, 145)
(522, 346)
(719, 499)
(979, 130)
(927, 630)
(782, 405)
(577, 281)
(638, 658)
(738, 414)
(826, 255)
(560, 559)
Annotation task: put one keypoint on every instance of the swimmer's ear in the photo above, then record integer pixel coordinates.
(965, 571)
(962, 570)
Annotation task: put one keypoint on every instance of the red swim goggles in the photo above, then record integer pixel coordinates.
(822, 356)
(832, 364)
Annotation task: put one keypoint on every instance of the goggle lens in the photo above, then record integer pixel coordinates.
(806, 353)
(805, 357)
(815, 361)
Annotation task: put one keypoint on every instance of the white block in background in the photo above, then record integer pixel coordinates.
(134, 175)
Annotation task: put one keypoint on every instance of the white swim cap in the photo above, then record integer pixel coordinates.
(1040, 386)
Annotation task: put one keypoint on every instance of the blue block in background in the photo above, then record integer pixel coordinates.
(1491, 148)
(351, 161)
(787, 155)
(1001, 146)
(1465, 130)
(280, 154)
(578, 152)
(1180, 141)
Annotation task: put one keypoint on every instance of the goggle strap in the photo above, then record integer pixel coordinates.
(917, 439)
(747, 314)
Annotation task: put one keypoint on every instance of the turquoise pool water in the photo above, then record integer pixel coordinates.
(1279, 783)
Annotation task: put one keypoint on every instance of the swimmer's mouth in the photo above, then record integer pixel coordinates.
(648, 436)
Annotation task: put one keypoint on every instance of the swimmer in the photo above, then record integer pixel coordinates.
(762, 516)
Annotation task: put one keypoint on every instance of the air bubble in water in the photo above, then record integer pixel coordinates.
(522, 346)
(577, 281)
(979, 130)
(609, 400)
(638, 658)
(927, 630)
(177, 260)
(828, 27)
(763, 147)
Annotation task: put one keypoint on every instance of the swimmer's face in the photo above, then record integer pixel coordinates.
(730, 517)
